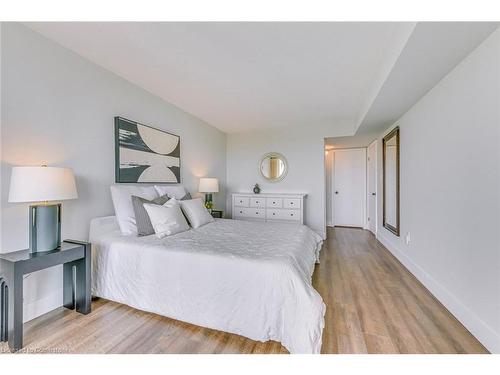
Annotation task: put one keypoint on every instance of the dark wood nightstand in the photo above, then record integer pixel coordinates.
(217, 214)
(76, 286)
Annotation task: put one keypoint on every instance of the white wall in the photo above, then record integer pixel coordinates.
(450, 192)
(58, 108)
(305, 155)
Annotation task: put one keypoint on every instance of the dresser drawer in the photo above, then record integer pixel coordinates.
(250, 213)
(273, 214)
(257, 202)
(274, 202)
(292, 215)
(240, 201)
(282, 214)
(291, 203)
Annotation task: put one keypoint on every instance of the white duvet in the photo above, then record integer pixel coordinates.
(247, 278)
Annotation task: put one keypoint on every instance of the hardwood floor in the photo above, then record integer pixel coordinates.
(374, 305)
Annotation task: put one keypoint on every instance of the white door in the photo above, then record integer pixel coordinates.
(372, 187)
(349, 187)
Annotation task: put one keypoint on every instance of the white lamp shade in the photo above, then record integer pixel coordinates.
(38, 184)
(209, 185)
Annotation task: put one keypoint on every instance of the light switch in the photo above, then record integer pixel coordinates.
(408, 239)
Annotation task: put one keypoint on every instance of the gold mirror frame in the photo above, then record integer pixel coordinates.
(393, 229)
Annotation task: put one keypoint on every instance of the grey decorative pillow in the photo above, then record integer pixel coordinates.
(186, 197)
(142, 220)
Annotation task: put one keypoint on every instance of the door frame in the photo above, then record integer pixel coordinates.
(367, 226)
(329, 155)
(365, 187)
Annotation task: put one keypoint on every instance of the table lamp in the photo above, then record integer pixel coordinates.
(43, 185)
(208, 185)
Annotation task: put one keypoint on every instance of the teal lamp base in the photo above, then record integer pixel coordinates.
(208, 201)
(208, 197)
(45, 227)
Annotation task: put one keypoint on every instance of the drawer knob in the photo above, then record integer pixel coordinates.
(291, 214)
(291, 203)
(241, 212)
(256, 213)
(274, 213)
(274, 202)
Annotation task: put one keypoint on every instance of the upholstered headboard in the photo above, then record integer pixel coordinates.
(102, 225)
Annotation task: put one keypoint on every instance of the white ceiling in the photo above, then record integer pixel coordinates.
(359, 140)
(430, 53)
(339, 76)
(244, 76)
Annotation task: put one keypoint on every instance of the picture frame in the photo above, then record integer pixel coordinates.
(144, 154)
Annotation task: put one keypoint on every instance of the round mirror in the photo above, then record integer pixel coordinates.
(273, 167)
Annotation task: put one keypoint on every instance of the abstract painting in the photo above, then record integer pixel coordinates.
(145, 154)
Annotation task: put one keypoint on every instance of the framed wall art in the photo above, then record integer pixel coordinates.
(144, 154)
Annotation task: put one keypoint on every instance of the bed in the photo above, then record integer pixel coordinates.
(248, 278)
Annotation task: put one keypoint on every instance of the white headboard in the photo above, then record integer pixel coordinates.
(102, 225)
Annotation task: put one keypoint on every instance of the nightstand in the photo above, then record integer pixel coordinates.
(217, 214)
(76, 259)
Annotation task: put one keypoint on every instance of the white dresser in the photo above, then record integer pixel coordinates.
(269, 207)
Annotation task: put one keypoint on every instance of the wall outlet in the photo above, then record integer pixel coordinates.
(408, 239)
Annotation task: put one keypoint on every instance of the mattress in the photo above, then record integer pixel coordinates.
(248, 278)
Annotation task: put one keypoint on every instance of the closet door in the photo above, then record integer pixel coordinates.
(349, 187)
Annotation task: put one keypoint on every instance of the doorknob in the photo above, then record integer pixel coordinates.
(336, 192)
(374, 194)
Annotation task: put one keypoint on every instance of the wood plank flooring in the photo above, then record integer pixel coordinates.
(374, 305)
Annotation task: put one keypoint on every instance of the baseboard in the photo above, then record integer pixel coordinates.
(34, 309)
(482, 331)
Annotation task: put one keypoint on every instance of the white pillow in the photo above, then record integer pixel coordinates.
(196, 212)
(167, 219)
(173, 191)
(122, 201)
